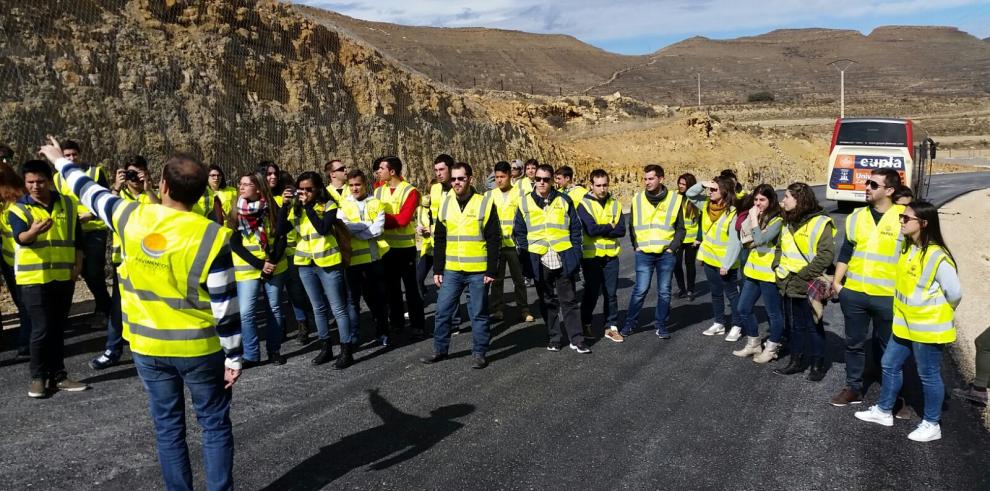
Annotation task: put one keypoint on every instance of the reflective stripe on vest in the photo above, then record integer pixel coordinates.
(364, 251)
(313, 248)
(807, 235)
(393, 200)
(166, 257)
(466, 249)
(244, 271)
(759, 263)
(548, 227)
(715, 241)
(603, 215)
(921, 312)
(62, 187)
(873, 265)
(507, 203)
(52, 255)
(654, 226)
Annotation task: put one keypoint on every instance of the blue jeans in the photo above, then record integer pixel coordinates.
(297, 294)
(807, 336)
(601, 278)
(327, 291)
(722, 287)
(24, 330)
(928, 358)
(115, 326)
(454, 283)
(646, 264)
(163, 379)
(247, 300)
(752, 290)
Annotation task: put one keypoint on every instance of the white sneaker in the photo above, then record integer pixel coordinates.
(926, 432)
(734, 334)
(716, 330)
(876, 415)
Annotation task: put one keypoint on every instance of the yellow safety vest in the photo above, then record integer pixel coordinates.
(715, 238)
(548, 227)
(364, 251)
(576, 193)
(334, 194)
(466, 250)
(6, 237)
(204, 205)
(243, 271)
(62, 187)
(393, 200)
(921, 312)
(127, 195)
(506, 203)
(312, 247)
(759, 264)
(608, 214)
(52, 255)
(799, 248)
(165, 307)
(228, 197)
(525, 185)
(424, 218)
(691, 225)
(292, 238)
(873, 265)
(654, 226)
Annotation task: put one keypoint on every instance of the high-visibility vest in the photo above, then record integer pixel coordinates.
(125, 194)
(691, 224)
(507, 203)
(525, 185)
(167, 253)
(335, 195)
(291, 238)
(6, 237)
(715, 238)
(94, 172)
(921, 312)
(204, 205)
(759, 263)
(228, 197)
(466, 249)
(437, 195)
(314, 248)
(799, 247)
(52, 255)
(654, 225)
(364, 251)
(393, 200)
(244, 271)
(873, 266)
(576, 193)
(424, 218)
(548, 227)
(603, 215)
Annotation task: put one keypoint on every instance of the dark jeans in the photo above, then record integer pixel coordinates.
(448, 299)
(423, 267)
(859, 310)
(559, 305)
(94, 268)
(601, 279)
(646, 265)
(509, 257)
(163, 379)
(753, 290)
(48, 306)
(301, 309)
(982, 359)
(686, 256)
(722, 287)
(368, 279)
(807, 336)
(115, 326)
(400, 267)
(24, 329)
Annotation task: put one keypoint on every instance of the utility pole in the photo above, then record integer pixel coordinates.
(842, 65)
(699, 89)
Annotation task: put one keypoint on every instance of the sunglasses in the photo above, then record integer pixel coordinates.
(906, 218)
(338, 169)
(543, 179)
(459, 179)
(874, 185)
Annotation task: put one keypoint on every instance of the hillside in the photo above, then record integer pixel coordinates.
(234, 82)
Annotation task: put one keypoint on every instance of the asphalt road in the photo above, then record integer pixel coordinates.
(644, 414)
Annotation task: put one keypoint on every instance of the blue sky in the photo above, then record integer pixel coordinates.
(643, 26)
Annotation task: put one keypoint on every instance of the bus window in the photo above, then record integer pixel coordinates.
(872, 134)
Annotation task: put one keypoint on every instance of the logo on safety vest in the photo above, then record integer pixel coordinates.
(154, 245)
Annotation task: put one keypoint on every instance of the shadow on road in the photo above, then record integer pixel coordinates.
(400, 437)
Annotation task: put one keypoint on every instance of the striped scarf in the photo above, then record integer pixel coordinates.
(251, 218)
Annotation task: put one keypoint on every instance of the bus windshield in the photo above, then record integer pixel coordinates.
(872, 134)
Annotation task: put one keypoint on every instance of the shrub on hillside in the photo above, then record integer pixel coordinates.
(762, 96)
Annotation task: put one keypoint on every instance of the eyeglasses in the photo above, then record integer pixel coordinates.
(459, 179)
(874, 185)
(543, 179)
(907, 218)
(338, 169)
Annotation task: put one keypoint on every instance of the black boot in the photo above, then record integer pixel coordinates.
(326, 353)
(797, 364)
(302, 332)
(346, 358)
(818, 369)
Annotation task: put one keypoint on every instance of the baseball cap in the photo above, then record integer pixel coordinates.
(517, 164)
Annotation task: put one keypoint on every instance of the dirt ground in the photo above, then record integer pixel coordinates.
(963, 223)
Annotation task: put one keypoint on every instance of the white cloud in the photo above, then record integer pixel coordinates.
(598, 20)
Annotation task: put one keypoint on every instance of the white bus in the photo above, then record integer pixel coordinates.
(860, 145)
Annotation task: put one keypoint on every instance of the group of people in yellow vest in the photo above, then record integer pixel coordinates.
(356, 237)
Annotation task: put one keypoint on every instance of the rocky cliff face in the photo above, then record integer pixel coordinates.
(233, 82)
